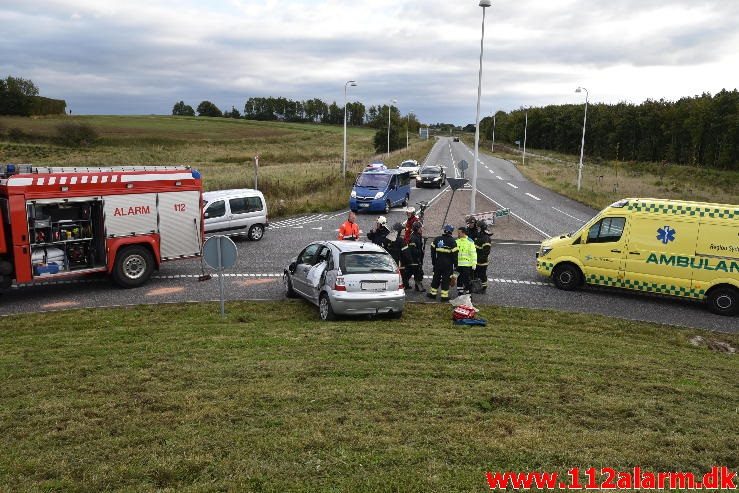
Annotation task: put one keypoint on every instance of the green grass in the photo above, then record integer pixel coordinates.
(605, 182)
(171, 398)
(300, 164)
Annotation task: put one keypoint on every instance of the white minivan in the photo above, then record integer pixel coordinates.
(235, 212)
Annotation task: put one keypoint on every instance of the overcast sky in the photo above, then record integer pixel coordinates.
(142, 56)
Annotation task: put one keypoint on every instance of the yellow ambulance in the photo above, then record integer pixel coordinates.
(674, 248)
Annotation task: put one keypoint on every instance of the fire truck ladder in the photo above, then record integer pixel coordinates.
(101, 169)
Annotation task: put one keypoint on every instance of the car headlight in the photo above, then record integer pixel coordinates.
(379, 195)
(354, 194)
(437, 178)
(545, 251)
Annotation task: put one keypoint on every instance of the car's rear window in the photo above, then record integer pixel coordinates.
(366, 262)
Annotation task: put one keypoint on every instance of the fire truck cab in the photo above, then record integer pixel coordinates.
(124, 221)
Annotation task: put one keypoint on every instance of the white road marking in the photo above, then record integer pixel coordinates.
(546, 235)
(499, 177)
(320, 228)
(568, 215)
(511, 184)
(533, 196)
(491, 171)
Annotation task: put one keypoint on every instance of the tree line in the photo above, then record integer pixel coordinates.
(308, 111)
(699, 131)
(19, 96)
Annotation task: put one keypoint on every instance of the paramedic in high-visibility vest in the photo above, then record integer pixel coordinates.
(466, 260)
(349, 230)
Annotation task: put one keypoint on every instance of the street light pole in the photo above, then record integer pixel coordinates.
(492, 147)
(525, 132)
(389, 109)
(484, 4)
(353, 84)
(407, 126)
(582, 145)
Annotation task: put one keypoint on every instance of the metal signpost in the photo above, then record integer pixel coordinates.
(455, 184)
(220, 253)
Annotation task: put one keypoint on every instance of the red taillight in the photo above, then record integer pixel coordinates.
(400, 280)
(339, 284)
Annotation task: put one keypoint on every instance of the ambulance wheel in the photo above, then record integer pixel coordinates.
(256, 232)
(388, 206)
(566, 277)
(133, 266)
(723, 300)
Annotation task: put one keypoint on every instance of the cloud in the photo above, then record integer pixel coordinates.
(142, 56)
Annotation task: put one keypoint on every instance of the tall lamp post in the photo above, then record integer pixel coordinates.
(389, 110)
(484, 4)
(407, 126)
(492, 147)
(525, 132)
(582, 145)
(353, 84)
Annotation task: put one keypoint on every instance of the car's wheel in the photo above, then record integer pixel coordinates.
(396, 314)
(405, 201)
(325, 311)
(133, 266)
(567, 277)
(288, 283)
(256, 232)
(388, 206)
(355, 210)
(723, 300)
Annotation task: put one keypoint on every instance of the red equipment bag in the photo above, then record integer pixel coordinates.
(463, 312)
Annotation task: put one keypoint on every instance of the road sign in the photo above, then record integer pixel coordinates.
(220, 253)
(462, 165)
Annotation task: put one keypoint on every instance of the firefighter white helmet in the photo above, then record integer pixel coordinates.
(382, 220)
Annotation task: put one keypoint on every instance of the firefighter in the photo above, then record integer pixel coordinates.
(467, 259)
(413, 259)
(443, 257)
(472, 227)
(410, 213)
(378, 234)
(482, 245)
(349, 230)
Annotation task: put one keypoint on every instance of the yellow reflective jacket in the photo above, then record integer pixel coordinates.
(467, 253)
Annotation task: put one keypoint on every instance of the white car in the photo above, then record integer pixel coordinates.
(235, 213)
(411, 166)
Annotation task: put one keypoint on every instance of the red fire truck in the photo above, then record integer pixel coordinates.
(123, 221)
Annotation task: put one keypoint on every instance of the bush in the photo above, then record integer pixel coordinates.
(75, 134)
(16, 134)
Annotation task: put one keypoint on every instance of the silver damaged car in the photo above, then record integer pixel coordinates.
(346, 278)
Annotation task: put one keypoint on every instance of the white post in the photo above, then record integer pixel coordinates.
(256, 172)
(389, 110)
(582, 144)
(483, 4)
(525, 131)
(492, 147)
(343, 167)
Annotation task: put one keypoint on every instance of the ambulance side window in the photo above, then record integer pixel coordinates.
(216, 209)
(607, 230)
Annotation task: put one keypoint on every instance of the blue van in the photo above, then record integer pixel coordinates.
(379, 189)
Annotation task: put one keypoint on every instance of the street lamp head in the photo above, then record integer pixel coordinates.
(486, 3)
(579, 89)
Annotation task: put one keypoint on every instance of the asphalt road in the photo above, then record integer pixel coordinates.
(513, 278)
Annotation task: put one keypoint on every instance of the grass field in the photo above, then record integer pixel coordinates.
(171, 398)
(300, 164)
(604, 182)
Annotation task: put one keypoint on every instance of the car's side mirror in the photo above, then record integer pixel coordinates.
(293, 266)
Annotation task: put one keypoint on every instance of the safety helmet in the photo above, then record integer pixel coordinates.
(448, 228)
(471, 220)
(412, 210)
(417, 225)
(382, 220)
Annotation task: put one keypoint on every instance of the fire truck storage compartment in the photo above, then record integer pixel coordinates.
(65, 235)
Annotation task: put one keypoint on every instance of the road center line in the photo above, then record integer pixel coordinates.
(568, 215)
(533, 196)
(511, 184)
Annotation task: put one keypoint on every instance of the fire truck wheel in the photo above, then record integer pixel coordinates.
(6, 268)
(133, 266)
